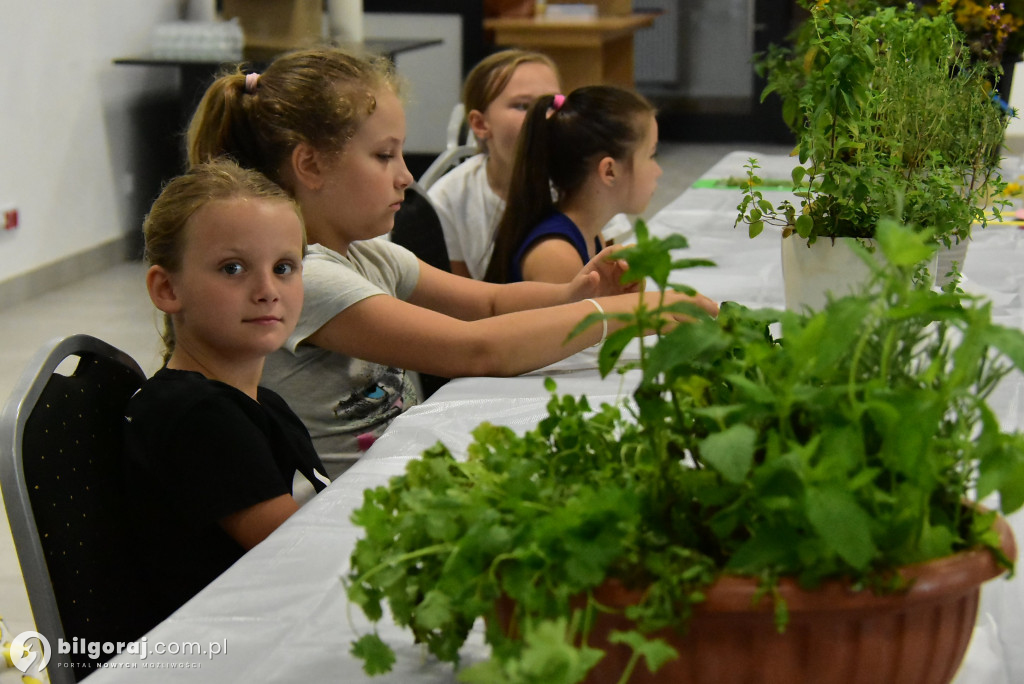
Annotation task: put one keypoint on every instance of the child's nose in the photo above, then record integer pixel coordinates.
(404, 178)
(266, 288)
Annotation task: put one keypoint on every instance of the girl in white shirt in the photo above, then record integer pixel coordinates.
(471, 197)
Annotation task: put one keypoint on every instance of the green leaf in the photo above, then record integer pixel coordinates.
(842, 524)
(749, 390)
(756, 227)
(730, 452)
(936, 541)
(902, 246)
(678, 264)
(487, 672)
(656, 652)
(804, 225)
(769, 547)
(434, 610)
(613, 347)
(1009, 341)
(377, 656)
(1002, 470)
(682, 345)
(550, 658)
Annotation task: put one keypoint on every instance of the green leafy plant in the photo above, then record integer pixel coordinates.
(992, 30)
(849, 448)
(892, 118)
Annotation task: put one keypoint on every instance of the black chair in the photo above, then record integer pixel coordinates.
(418, 229)
(60, 463)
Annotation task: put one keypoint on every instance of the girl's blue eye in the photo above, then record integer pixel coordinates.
(233, 268)
(284, 269)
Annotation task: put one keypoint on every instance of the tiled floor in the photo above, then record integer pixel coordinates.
(113, 306)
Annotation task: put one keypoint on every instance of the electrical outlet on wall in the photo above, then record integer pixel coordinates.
(8, 216)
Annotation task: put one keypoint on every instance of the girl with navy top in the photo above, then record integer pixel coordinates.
(580, 160)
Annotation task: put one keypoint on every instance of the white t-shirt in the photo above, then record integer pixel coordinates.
(469, 211)
(344, 402)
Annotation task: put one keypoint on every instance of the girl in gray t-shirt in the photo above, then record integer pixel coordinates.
(328, 126)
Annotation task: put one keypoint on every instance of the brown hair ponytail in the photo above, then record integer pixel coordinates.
(530, 187)
(318, 96)
(558, 152)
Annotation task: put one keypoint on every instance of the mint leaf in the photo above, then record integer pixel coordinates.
(730, 452)
(842, 524)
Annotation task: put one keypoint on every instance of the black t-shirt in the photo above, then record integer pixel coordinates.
(197, 450)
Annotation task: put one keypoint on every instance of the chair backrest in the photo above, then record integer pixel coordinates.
(418, 229)
(459, 145)
(60, 469)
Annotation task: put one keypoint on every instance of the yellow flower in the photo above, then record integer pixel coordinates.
(1012, 189)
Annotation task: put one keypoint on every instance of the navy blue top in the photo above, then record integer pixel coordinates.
(557, 225)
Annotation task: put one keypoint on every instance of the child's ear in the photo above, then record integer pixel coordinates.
(307, 166)
(161, 290)
(608, 171)
(478, 124)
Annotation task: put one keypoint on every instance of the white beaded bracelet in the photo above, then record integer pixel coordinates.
(604, 321)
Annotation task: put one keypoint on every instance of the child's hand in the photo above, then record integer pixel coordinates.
(710, 306)
(602, 276)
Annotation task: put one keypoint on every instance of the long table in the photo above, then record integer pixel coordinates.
(281, 615)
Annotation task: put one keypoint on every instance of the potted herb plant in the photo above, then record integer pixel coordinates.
(993, 32)
(747, 480)
(892, 118)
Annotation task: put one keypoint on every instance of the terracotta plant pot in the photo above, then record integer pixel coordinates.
(835, 635)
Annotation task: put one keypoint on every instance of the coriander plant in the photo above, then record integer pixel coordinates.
(851, 446)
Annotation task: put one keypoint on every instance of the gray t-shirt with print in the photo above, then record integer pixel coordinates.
(345, 402)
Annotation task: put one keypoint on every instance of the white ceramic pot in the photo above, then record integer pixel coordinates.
(809, 272)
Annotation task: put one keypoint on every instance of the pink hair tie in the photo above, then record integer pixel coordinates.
(250, 82)
(558, 101)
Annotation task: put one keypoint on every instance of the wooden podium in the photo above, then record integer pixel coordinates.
(587, 51)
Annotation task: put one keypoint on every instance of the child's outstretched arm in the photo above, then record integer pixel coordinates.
(473, 299)
(387, 330)
(252, 525)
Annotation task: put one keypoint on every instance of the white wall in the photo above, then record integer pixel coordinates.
(70, 143)
(718, 45)
(1016, 127)
(433, 74)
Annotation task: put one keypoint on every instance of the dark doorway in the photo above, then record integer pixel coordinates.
(685, 116)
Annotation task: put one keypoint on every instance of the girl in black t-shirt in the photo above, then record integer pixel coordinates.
(213, 462)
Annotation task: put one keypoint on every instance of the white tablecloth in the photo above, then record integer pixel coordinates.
(281, 615)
